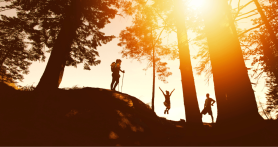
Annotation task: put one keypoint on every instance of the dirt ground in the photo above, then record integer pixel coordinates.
(94, 116)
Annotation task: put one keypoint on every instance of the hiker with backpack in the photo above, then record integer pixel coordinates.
(207, 107)
(167, 100)
(116, 68)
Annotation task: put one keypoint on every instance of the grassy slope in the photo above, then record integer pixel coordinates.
(94, 116)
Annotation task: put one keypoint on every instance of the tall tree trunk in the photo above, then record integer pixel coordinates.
(192, 111)
(249, 105)
(153, 73)
(53, 73)
(234, 94)
(153, 82)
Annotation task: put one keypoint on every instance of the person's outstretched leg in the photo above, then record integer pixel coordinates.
(165, 111)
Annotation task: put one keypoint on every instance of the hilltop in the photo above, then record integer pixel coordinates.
(95, 116)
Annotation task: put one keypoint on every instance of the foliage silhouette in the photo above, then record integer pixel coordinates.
(15, 57)
(71, 29)
(143, 41)
(265, 49)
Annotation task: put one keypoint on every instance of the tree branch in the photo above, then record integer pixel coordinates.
(245, 5)
(247, 13)
(238, 5)
(250, 29)
(3, 9)
(164, 20)
(247, 16)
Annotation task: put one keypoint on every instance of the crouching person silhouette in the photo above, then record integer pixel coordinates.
(116, 68)
(167, 100)
(207, 107)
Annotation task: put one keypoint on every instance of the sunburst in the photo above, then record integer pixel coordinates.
(197, 4)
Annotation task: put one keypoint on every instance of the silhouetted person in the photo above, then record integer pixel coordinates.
(167, 100)
(116, 68)
(207, 107)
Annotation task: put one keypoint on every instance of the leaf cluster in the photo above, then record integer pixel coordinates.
(44, 20)
(15, 56)
(144, 36)
(259, 45)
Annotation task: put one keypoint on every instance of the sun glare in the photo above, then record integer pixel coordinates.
(197, 4)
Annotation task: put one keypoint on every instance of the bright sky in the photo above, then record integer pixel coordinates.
(136, 81)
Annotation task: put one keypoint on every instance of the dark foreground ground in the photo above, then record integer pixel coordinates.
(94, 116)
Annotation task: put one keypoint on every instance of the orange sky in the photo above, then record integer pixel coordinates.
(137, 82)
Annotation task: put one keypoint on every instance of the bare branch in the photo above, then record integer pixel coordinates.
(164, 20)
(247, 16)
(247, 12)
(250, 29)
(159, 36)
(256, 26)
(4, 9)
(238, 5)
(245, 5)
(255, 71)
(263, 109)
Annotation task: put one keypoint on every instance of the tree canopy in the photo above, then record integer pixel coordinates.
(144, 36)
(45, 19)
(15, 53)
(71, 29)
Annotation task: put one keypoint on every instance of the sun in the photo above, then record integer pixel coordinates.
(196, 4)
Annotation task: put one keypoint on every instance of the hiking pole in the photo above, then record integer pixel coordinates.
(122, 82)
(119, 86)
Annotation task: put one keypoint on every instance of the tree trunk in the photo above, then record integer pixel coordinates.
(234, 94)
(192, 111)
(153, 83)
(53, 73)
(153, 73)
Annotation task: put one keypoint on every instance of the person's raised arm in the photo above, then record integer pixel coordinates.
(172, 91)
(162, 91)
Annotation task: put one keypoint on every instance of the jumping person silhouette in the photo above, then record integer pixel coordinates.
(167, 100)
(207, 107)
(116, 68)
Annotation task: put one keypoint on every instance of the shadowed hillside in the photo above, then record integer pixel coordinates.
(94, 116)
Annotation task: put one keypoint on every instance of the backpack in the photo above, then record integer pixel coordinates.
(113, 66)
